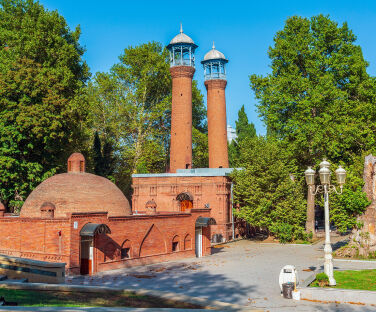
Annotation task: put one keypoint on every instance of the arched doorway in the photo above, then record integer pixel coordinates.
(186, 201)
(87, 235)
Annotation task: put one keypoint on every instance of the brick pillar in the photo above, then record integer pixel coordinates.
(217, 125)
(181, 118)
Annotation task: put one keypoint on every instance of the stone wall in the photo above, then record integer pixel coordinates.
(369, 217)
(34, 271)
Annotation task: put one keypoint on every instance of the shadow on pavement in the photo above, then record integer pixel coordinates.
(185, 279)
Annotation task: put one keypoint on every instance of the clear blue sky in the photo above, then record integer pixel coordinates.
(242, 30)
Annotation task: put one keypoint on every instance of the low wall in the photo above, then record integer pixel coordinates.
(35, 271)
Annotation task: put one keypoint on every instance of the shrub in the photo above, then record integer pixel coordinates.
(322, 279)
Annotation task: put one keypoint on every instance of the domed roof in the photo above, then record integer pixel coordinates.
(181, 38)
(214, 54)
(76, 192)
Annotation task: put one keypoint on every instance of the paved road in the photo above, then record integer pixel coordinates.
(242, 272)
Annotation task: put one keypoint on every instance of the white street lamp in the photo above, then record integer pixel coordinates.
(326, 188)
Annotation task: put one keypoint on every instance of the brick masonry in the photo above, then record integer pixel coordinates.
(148, 237)
(214, 191)
(217, 126)
(181, 118)
(52, 217)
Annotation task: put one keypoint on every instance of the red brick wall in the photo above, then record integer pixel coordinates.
(35, 238)
(214, 191)
(217, 126)
(181, 118)
(149, 237)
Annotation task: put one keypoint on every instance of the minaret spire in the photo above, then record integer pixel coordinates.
(213, 45)
(181, 28)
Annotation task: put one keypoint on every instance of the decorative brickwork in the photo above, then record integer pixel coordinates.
(214, 192)
(134, 240)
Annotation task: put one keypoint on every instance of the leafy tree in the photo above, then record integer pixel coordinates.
(41, 108)
(131, 106)
(267, 196)
(200, 152)
(244, 130)
(346, 207)
(97, 155)
(319, 101)
(109, 160)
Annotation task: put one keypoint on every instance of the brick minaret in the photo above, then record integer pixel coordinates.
(215, 83)
(182, 69)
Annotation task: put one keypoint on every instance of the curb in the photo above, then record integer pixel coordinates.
(335, 295)
(354, 260)
(210, 304)
(331, 295)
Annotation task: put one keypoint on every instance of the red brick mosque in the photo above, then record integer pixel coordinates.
(85, 220)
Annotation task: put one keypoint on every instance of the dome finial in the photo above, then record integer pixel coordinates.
(181, 28)
(213, 45)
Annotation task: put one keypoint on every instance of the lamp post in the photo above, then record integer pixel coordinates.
(326, 188)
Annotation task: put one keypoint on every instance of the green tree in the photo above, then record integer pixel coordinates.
(97, 155)
(346, 207)
(267, 195)
(131, 106)
(109, 160)
(200, 152)
(319, 101)
(244, 130)
(41, 108)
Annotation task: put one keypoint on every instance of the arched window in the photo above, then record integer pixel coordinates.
(126, 249)
(187, 242)
(175, 244)
(186, 201)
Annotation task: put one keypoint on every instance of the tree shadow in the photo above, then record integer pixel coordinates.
(183, 278)
(215, 250)
(340, 244)
(333, 307)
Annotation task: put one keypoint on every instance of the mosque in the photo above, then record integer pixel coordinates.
(85, 220)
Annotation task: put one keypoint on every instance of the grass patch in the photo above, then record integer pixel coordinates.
(81, 299)
(362, 280)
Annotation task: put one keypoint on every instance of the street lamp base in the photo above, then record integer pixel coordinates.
(332, 281)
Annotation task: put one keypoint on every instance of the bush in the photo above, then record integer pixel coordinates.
(269, 190)
(322, 279)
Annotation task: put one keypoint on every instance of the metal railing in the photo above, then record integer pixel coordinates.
(215, 76)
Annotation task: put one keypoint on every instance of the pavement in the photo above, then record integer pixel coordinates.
(242, 272)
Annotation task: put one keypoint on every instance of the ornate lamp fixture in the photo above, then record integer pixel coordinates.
(326, 188)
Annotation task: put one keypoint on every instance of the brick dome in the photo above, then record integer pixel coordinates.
(76, 191)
